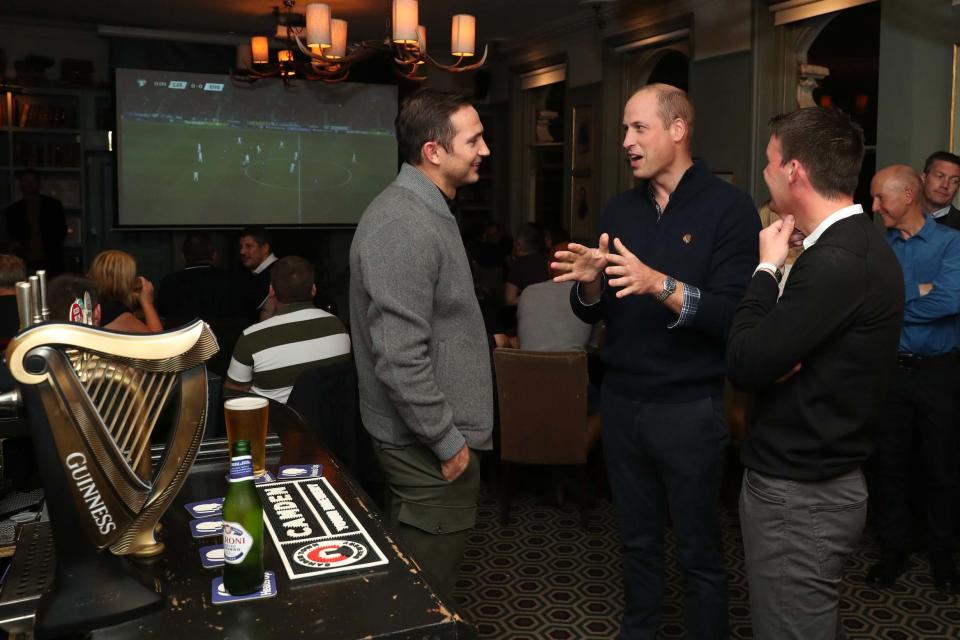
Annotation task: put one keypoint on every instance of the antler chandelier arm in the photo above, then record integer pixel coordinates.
(456, 66)
(316, 59)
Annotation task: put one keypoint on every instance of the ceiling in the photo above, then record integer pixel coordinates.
(497, 20)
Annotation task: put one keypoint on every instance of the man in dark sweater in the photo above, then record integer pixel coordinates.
(819, 360)
(256, 254)
(941, 180)
(36, 226)
(203, 290)
(685, 245)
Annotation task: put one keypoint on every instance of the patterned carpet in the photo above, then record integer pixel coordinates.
(544, 577)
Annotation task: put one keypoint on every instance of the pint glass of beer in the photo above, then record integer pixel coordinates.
(246, 419)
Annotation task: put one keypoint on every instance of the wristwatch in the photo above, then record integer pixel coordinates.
(770, 268)
(669, 286)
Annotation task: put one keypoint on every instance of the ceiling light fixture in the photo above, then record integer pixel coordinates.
(318, 47)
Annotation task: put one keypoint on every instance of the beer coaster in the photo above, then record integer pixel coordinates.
(211, 557)
(205, 508)
(294, 471)
(206, 527)
(219, 595)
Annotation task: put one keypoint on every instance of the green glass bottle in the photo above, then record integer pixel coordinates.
(242, 526)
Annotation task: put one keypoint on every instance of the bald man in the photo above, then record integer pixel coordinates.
(672, 261)
(921, 398)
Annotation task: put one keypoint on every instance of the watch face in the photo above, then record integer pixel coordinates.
(669, 286)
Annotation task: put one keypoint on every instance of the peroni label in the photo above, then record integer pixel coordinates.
(237, 542)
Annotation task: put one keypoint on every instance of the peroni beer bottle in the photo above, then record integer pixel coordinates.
(242, 526)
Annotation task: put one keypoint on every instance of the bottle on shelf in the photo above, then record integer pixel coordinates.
(242, 526)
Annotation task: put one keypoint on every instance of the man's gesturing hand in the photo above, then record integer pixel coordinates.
(455, 466)
(632, 275)
(581, 263)
(775, 241)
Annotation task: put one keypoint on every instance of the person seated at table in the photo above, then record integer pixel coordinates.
(66, 295)
(12, 271)
(122, 292)
(270, 355)
(545, 321)
(529, 264)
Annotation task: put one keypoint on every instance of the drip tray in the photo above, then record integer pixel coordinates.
(28, 577)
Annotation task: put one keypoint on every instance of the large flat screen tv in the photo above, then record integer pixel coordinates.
(204, 150)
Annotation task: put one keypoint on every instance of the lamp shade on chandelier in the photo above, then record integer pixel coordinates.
(322, 41)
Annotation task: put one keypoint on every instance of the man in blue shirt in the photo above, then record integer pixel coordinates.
(925, 383)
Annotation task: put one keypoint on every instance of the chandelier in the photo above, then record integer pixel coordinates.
(318, 47)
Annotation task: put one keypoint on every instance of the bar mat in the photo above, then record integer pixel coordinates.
(30, 572)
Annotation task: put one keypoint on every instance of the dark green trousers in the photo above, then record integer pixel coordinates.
(429, 516)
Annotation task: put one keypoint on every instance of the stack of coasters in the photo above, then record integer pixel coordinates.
(207, 522)
(219, 595)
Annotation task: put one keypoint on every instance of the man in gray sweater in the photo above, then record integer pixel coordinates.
(422, 355)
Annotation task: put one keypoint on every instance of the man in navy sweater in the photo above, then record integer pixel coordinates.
(819, 359)
(683, 248)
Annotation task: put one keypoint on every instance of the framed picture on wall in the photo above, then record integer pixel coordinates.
(583, 207)
(583, 137)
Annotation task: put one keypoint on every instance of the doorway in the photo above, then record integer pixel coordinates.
(854, 77)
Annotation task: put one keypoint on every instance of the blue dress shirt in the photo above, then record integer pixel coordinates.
(932, 256)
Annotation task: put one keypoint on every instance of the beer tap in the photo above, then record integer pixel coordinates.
(25, 304)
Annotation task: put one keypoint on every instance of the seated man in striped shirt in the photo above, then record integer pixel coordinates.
(271, 355)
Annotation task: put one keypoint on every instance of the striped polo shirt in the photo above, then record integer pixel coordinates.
(272, 354)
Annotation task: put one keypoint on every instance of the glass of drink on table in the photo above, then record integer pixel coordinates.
(246, 419)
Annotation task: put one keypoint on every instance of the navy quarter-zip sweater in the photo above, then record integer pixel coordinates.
(706, 237)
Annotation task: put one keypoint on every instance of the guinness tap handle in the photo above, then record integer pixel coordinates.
(24, 304)
(44, 309)
(35, 299)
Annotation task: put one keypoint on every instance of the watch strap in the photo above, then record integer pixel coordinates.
(669, 286)
(770, 268)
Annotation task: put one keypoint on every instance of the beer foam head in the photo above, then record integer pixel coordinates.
(246, 403)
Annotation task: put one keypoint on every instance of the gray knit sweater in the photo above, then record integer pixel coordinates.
(419, 341)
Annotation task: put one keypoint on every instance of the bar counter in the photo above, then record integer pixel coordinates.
(389, 601)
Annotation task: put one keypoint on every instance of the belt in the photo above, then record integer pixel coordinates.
(914, 361)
